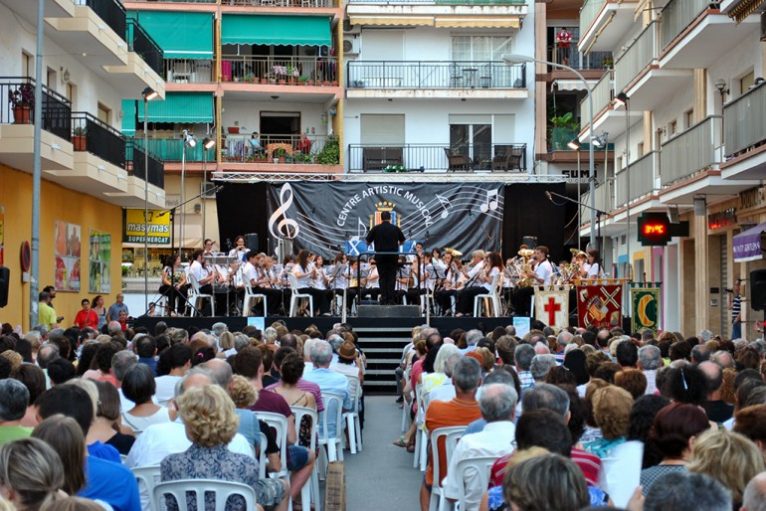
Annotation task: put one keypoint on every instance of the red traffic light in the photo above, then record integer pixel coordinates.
(654, 229)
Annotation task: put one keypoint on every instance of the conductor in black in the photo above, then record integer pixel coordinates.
(387, 238)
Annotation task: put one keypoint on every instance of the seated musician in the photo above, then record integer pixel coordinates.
(593, 265)
(419, 280)
(403, 280)
(340, 274)
(173, 284)
(304, 271)
(239, 250)
(257, 277)
(446, 283)
(321, 281)
(480, 282)
(204, 276)
(371, 285)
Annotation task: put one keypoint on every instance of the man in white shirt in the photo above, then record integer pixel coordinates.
(544, 269)
(497, 402)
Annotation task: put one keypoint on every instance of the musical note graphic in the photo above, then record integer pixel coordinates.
(445, 202)
(490, 204)
(361, 229)
(280, 226)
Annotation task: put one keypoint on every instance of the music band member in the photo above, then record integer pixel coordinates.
(203, 275)
(173, 284)
(489, 271)
(304, 271)
(239, 250)
(256, 275)
(387, 238)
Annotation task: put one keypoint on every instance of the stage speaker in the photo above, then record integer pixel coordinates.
(758, 290)
(251, 241)
(5, 280)
(529, 241)
(389, 311)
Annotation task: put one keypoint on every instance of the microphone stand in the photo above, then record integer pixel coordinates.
(597, 211)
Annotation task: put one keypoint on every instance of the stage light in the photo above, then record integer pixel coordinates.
(574, 144)
(149, 94)
(208, 143)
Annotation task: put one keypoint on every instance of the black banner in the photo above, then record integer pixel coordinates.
(320, 217)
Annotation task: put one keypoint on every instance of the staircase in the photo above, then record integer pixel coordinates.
(383, 348)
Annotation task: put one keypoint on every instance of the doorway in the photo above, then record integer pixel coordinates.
(280, 126)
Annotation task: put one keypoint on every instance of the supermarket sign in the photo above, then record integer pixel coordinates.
(157, 225)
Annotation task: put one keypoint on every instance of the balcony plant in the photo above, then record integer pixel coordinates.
(330, 153)
(279, 155)
(22, 99)
(79, 141)
(293, 74)
(394, 168)
(301, 157)
(563, 129)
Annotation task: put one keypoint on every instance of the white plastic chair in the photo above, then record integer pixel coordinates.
(451, 436)
(482, 466)
(493, 296)
(421, 435)
(147, 477)
(251, 299)
(333, 404)
(263, 443)
(195, 297)
(296, 296)
(199, 487)
(279, 423)
(310, 491)
(351, 417)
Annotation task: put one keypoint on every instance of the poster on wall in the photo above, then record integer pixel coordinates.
(2, 235)
(99, 261)
(67, 252)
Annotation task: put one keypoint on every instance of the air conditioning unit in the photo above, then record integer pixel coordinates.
(350, 29)
(351, 45)
(207, 190)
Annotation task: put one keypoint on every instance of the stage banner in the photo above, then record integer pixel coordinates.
(322, 216)
(552, 306)
(599, 306)
(646, 308)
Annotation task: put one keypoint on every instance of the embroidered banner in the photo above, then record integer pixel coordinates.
(646, 308)
(599, 306)
(552, 306)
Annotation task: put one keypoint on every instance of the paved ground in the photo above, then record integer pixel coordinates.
(381, 477)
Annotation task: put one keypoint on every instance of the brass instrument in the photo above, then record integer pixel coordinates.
(524, 268)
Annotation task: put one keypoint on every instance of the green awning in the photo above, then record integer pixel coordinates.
(181, 35)
(276, 30)
(180, 107)
(129, 117)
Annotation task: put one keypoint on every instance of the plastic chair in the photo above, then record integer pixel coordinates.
(310, 491)
(480, 465)
(333, 404)
(451, 436)
(351, 417)
(251, 299)
(493, 296)
(297, 296)
(279, 423)
(199, 487)
(147, 477)
(421, 438)
(260, 455)
(195, 297)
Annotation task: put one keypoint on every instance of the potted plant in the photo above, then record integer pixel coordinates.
(250, 77)
(293, 74)
(279, 155)
(303, 80)
(563, 129)
(394, 168)
(608, 63)
(78, 139)
(22, 99)
(330, 153)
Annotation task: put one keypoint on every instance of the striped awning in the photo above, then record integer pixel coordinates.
(477, 23)
(438, 22)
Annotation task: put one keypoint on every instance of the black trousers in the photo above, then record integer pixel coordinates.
(444, 299)
(175, 296)
(387, 266)
(522, 299)
(321, 302)
(465, 298)
(273, 296)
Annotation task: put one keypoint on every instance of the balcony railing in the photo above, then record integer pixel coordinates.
(282, 3)
(435, 75)
(137, 165)
(442, 2)
(588, 13)
(57, 110)
(677, 15)
(188, 71)
(744, 122)
(604, 200)
(111, 11)
(462, 158)
(182, 1)
(602, 93)
(641, 174)
(691, 151)
(171, 149)
(295, 149)
(578, 60)
(96, 137)
(639, 54)
(279, 70)
(143, 44)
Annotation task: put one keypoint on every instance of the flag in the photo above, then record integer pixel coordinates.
(552, 306)
(646, 308)
(599, 306)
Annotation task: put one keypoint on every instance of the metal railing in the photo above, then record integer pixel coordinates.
(588, 13)
(96, 137)
(744, 122)
(17, 106)
(602, 93)
(462, 158)
(279, 70)
(677, 15)
(111, 11)
(578, 60)
(143, 44)
(188, 71)
(692, 150)
(604, 200)
(442, 2)
(182, 1)
(294, 149)
(135, 157)
(435, 75)
(282, 3)
(641, 173)
(171, 149)
(641, 52)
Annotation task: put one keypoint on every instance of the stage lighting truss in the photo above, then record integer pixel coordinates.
(415, 177)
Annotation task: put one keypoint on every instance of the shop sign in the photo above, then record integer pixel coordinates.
(752, 198)
(157, 224)
(725, 218)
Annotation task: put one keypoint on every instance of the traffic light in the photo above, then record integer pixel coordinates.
(654, 229)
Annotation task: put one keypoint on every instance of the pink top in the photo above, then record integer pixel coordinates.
(305, 386)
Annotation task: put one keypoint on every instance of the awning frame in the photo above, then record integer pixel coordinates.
(746, 245)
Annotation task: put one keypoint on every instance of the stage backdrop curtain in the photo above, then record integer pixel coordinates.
(529, 213)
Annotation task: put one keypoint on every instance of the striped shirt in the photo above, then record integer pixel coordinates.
(736, 306)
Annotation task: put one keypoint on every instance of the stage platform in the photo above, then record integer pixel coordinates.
(381, 339)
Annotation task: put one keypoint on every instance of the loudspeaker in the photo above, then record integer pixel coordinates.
(5, 280)
(389, 311)
(251, 241)
(758, 290)
(529, 241)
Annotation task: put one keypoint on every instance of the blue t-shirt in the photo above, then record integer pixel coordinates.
(150, 361)
(113, 314)
(111, 483)
(106, 452)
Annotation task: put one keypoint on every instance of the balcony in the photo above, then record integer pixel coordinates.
(603, 23)
(466, 14)
(261, 73)
(171, 150)
(310, 4)
(282, 153)
(137, 188)
(144, 65)
(591, 65)
(744, 135)
(17, 130)
(443, 157)
(604, 201)
(189, 71)
(694, 150)
(435, 79)
(696, 35)
(640, 175)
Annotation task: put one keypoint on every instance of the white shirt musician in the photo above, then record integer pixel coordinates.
(544, 269)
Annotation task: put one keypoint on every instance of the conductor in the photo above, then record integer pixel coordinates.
(387, 238)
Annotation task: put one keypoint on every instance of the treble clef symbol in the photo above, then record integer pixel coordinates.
(279, 225)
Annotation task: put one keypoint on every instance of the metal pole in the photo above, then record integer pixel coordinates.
(183, 194)
(37, 171)
(146, 205)
(627, 187)
(579, 207)
(204, 189)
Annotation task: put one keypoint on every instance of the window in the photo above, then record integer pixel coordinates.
(672, 128)
(746, 82)
(104, 114)
(51, 79)
(27, 64)
(688, 119)
(640, 150)
(480, 48)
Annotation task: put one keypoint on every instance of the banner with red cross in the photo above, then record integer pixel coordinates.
(552, 306)
(599, 306)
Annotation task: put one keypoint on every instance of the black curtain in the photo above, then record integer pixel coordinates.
(242, 210)
(528, 212)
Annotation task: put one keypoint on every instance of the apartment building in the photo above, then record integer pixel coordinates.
(94, 56)
(683, 107)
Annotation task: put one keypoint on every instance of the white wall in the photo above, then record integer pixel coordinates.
(247, 113)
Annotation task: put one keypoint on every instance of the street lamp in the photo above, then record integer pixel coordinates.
(522, 59)
(207, 144)
(622, 100)
(148, 94)
(187, 140)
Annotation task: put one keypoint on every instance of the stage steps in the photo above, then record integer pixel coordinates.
(383, 348)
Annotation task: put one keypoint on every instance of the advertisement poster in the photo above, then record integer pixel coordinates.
(157, 224)
(100, 258)
(67, 245)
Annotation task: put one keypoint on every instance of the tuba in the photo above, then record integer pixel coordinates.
(524, 267)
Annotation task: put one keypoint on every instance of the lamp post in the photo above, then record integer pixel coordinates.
(574, 145)
(207, 144)
(621, 100)
(521, 59)
(148, 94)
(37, 171)
(187, 139)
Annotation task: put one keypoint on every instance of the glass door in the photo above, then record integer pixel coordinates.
(473, 141)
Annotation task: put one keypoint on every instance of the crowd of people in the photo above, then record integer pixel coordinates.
(587, 419)
(79, 410)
